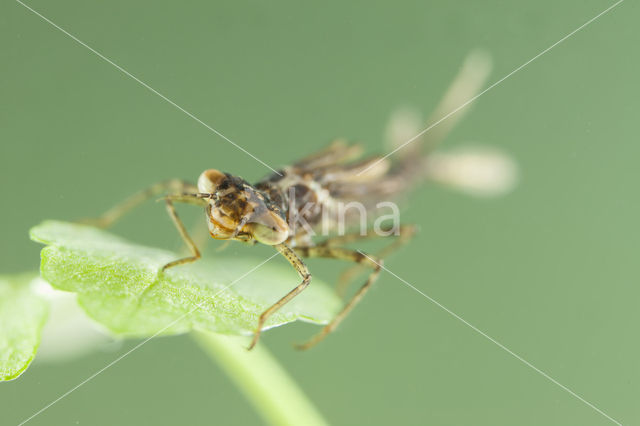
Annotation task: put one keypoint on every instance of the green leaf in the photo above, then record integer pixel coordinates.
(119, 284)
(22, 315)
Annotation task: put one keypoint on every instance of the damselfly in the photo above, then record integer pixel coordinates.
(287, 209)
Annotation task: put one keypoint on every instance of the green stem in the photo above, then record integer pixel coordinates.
(262, 379)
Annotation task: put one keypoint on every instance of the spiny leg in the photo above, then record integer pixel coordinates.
(403, 236)
(200, 234)
(184, 198)
(342, 254)
(299, 265)
(195, 253)
(173, 186)
(178, 191)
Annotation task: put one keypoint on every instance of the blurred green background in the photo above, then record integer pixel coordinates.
(550, 271)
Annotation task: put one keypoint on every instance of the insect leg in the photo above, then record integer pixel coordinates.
(303, 271)
(342, 254)
(173, 186)
(404, 234)
(195, 253)
(338, 152)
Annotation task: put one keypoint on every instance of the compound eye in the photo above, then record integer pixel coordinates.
(266, 235)
(209, 181)
(269, 229)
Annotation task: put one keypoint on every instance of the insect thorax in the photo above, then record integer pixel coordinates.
(304, 202)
